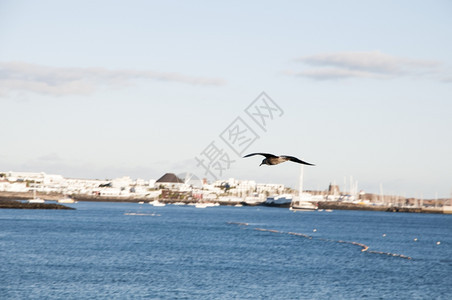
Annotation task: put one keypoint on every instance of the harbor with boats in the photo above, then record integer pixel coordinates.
(40, 188)
(281, 201)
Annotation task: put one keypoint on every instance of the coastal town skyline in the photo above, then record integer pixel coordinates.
(126, 186)
(105, 90)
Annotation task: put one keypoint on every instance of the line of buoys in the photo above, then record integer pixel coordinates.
(269, 230)
(364, 248)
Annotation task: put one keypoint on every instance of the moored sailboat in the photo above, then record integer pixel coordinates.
(304, 200)
(35, 199)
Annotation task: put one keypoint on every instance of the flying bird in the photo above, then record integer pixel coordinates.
(271, 159)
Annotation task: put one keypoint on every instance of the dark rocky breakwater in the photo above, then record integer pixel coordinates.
(14, 204)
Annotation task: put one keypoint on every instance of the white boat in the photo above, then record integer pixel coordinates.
(304, 200)
(66, 200)
(303, 205)
(283, 200)
(230, 199)
(253, 200)
(36, 200)
(157, 203)
(205, 204)
(447, 209)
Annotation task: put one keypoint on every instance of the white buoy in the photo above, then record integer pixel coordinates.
(315, 230)
(438, 243)
(384, 234)
(415, 239)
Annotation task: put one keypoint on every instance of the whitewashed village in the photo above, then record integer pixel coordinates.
(172, 189)
(168, 188)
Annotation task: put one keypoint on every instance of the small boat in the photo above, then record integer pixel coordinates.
(253, 200)
(447, 209)
(36, 200)
(283, 200)
(304, 201)
(303, 206)
(157, 203)
(66, 200)
(201, 205)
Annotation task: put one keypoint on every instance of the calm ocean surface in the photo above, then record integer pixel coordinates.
(101, 251)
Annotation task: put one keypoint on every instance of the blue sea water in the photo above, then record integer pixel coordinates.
(102, 251)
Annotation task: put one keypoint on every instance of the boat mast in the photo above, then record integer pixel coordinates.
(382, 199)
(436, 199)
(300, 191)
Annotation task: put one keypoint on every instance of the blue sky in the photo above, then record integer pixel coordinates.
(103, 89)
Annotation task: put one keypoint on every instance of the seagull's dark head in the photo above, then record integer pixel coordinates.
(264, 162)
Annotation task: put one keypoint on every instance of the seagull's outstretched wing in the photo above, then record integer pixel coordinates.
(294, 159)
(267, 155)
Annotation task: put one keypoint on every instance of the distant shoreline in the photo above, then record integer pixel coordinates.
(11, 196)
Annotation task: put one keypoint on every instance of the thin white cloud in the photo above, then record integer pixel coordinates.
(334, 73)
(25, 77)
(373, 64)
(50, 157)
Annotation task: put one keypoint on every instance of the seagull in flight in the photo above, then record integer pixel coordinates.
(271, 159)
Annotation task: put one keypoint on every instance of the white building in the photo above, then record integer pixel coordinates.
(25, 176)
(152, 183)
(123, 182)
(6, 186)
